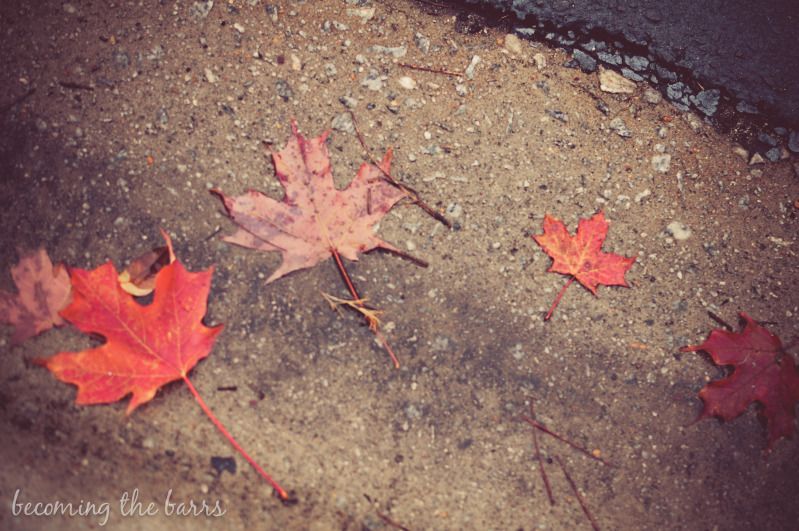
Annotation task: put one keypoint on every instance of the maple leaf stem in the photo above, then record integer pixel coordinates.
(577, 494)
(358, 301)
(345, 275)
(534, 423)
(541, 460)
(560, 296)
(278, 489)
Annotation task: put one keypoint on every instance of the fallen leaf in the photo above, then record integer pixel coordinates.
(145, 347)
(580, 256)
(43, 291)
(762, 372)
(138, 278)
(314, 220)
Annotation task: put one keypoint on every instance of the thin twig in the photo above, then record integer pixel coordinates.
(435, 4)
(217, 231)
(413, 194)
(540, 459)
(719, 320)
(371, 319)
(429, 69)
(561, 438)
(403, 254)
(391, 522)
(577, 494)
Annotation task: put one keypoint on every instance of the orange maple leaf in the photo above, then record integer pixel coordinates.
(763, 372)
(314, 221)
(43, 291)
(580, 256)
(146, 346)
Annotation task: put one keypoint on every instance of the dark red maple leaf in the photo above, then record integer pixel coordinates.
(762, 372)
(580, 256)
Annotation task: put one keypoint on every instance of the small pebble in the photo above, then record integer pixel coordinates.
(652, 96)
(661, 163)
(793, 141)
(513, 44)
(284, 89)
(472, 65)
(364, 13)
(639, 197)
(678, 231)
(618, 126)
(343, 123)
(397, 51)
(422, 42)
(741, 152)
(610, 81)
(767, 139)
(407, 83)
(774, 154)
(348, 101)
(707, 101)
(746, 107)
(637, 62)
(585, 61)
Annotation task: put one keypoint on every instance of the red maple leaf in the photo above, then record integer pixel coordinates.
(762, 372)
(43, 291)
(146, 347)
(580, 256)
(315, 220)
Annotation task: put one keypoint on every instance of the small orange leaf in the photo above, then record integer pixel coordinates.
(581, 256)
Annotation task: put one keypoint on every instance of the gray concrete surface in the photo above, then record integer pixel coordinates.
(748, 47)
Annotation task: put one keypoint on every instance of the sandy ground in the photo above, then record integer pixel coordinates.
(138, 108)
